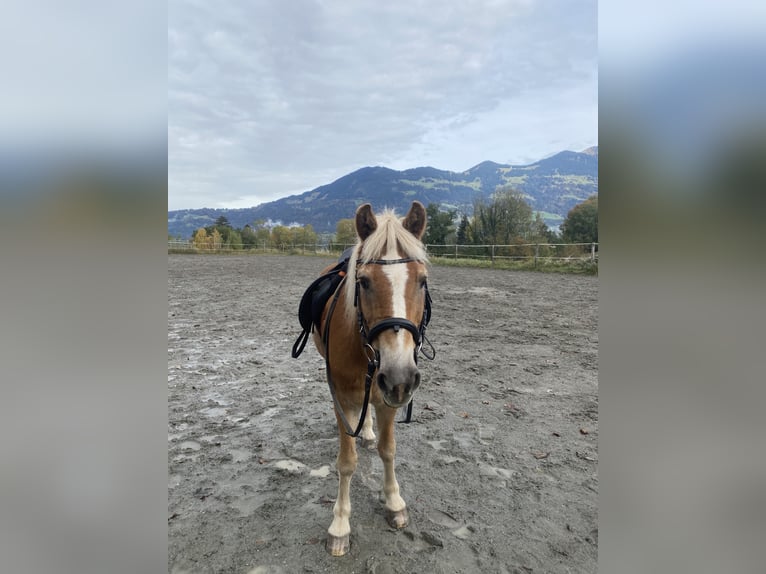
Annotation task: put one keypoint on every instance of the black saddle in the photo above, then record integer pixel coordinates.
(315, 298)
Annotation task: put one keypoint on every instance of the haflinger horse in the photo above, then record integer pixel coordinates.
(372, 330)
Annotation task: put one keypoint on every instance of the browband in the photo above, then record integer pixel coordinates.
(386, 261)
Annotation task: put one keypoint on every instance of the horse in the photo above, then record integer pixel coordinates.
(372, 329)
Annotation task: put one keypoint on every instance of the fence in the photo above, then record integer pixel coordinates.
(264, 247)
(536, 253)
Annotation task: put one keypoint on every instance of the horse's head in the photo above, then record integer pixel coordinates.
(390, 293)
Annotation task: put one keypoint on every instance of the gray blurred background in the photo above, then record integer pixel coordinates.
(83, 182)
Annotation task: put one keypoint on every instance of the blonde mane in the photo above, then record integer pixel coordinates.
(390, 231)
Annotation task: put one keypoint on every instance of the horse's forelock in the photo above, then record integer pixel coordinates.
(390, 231)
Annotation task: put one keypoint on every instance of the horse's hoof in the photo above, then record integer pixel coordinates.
(398, 519)
(368, 443)
(337, 546)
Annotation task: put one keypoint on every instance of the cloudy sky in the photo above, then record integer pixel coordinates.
(267, 99)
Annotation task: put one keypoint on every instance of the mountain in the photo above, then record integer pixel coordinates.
(552, 186)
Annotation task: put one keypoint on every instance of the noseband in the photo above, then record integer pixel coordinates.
(369, 335)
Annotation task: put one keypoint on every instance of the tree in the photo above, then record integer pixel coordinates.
(514, 216)
(304, 235)
(230, 237)
(234, 239)
(216, 241)
(505, 220)
(345, 232)
(581, 223)
(484, 223)
(263, 237)
(200, 239)
(440, 225)
(249, 238)
(461, 237)
(541, 232)
(281, 236)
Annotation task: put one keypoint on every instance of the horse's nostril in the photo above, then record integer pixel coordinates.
(381, 380)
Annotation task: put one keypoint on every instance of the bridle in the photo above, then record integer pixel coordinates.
(368, 337)
(418, 331)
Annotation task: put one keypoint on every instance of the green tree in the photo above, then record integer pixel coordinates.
(229, 237)
(249, 238)
(581, 223)
(281, 236)
(305, 236)
(345, 232)
(263, 237)
(484, 223)
(440, 225)
(234, 239)
(506, 219)
(461, 237)
(515, 221)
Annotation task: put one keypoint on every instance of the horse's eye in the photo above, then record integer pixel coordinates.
(364, 282)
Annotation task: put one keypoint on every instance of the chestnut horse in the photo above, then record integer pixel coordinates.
(372, 330)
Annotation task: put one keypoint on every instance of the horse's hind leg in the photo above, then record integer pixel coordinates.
(368, 435)
(338, 539)
(396, 508)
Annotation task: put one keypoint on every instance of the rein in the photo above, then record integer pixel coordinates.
(372, 354)
(372, 365)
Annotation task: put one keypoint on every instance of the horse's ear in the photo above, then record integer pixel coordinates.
(365, 221)
(415, 220)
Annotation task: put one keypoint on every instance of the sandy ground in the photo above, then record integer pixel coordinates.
(498, 468)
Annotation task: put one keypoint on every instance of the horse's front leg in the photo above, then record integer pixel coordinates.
(368, 435)
(338, 539)
(396, 508)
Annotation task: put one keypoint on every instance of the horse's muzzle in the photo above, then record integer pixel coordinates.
(397, 386)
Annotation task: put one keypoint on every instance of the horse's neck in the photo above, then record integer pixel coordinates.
(347, 321)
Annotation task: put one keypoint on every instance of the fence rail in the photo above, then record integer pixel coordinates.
(532, 252)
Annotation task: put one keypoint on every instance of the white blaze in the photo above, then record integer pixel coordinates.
(397, 274)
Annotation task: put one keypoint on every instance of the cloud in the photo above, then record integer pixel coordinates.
(307, 88)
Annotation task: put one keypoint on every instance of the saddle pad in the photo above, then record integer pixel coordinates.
(315, 298)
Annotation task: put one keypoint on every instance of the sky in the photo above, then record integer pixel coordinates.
(270, 99)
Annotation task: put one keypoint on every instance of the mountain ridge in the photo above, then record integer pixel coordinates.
(552, 186)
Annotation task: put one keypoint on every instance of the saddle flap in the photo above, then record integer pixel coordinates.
(317, 294)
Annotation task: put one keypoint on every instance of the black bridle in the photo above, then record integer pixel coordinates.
(368, 337)
(418, 331)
